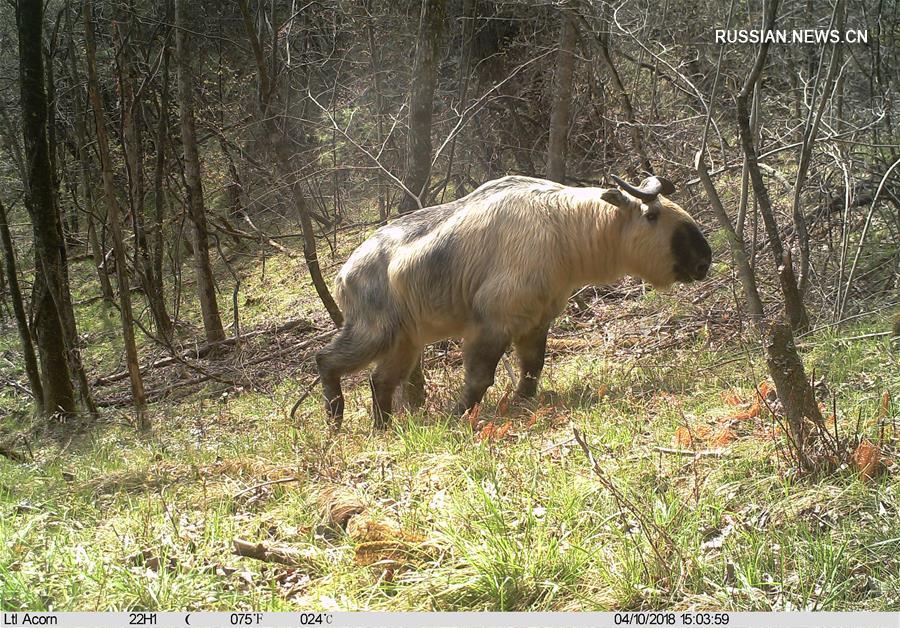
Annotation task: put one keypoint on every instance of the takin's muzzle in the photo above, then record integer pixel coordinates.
(691, 252)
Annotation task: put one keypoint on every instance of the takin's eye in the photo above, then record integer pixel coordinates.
(651, 216)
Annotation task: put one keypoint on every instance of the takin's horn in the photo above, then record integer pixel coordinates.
(650, 188)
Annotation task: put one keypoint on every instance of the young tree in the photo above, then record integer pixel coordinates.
(562, 100)
(206, 288)
(277, 140)
(421, 104)
(793, 300)
(81, 141)
(113, 215)
(159, 166)
(12, 279)
(48, 296)
(132, 140)
(783, 362)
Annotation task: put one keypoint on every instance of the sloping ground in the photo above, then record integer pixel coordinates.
(499, 511)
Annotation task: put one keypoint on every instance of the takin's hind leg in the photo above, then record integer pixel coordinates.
(349, 351)
(481, 353)
(531, 350)
(392, 369)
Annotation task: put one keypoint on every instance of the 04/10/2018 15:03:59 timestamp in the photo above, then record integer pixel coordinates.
(671, 619)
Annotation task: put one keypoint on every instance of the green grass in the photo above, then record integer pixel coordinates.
(519, 524)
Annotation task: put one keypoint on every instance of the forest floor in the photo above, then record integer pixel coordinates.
(500, 512)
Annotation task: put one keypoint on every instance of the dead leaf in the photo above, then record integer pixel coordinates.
(601, 392)
(766, 391)
(689, 437)
(379, 552)
(501, 431)
(683, 437)
(503, 405)
(486, 432)
(867, 460)
(732, 398)
(151, 560)
(749, 413)
(363, 529)
(396, 552)
(472, 415)
(724, 437)
(384, 543)
(292, 581)
(885, 403)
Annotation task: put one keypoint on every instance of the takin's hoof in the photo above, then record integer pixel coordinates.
(334, 421)
(460, 409)
(381, 421)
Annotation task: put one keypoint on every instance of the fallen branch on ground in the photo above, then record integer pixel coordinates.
(158, 393)
(270, 553)
(264, 484)
(206, 349)
(713, 453)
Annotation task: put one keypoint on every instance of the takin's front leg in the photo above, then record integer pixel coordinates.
(481, 353)
(414, 390)
(531, 350)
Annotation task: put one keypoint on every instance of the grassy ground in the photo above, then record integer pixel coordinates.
(447, 517)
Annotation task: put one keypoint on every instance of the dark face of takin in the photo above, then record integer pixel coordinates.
(691, 253)
(661, 243)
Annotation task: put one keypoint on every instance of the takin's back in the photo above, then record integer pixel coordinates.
(486, 256)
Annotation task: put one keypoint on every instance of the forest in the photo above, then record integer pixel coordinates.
(181, 182)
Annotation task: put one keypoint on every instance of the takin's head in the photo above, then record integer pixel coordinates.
(661, 243)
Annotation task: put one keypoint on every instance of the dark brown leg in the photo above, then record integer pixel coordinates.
(346, 353)
(392, 369)
(480, 355)
(414, 390)
(531, 350)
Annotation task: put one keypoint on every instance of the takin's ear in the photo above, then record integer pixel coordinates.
(615, 197)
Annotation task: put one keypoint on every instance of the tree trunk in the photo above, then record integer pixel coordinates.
(277, 142)
(562, 101)
(212, 322)
(624, 100)
(421, 104)
(159, 170)
(59, 395)
(736, 243)
(792, 299)
(131, 134)
(794, 391)
(12, 279)
(233, 187)
(378, 102)
(806, 149)
(87, 195)
(282, 158)
(113, 216)
(58, 392)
